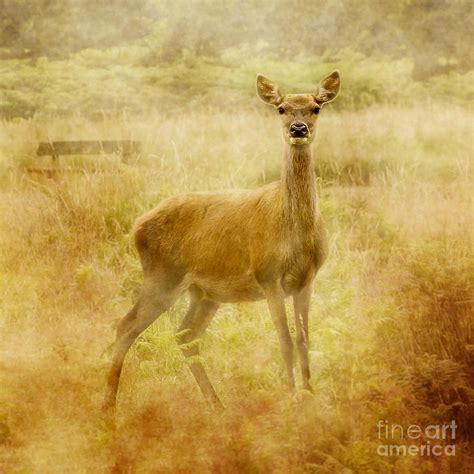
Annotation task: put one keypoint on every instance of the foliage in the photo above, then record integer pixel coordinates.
(95, 82)
(422, 31)
(69, 57)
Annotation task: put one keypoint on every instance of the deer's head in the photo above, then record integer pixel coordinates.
(299, 112)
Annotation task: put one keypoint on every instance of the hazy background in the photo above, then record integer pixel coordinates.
(391, 324)
(86, 56)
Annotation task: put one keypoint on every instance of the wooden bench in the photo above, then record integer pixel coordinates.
(126, 148)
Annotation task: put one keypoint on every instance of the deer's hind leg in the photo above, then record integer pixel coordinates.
(197, 319)
(154, 300)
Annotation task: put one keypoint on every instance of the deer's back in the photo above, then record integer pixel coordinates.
(220, 241)
(211, 229)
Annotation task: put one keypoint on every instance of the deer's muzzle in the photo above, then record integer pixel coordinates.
(298, 130)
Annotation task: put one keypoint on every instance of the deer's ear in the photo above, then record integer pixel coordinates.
(328, 88)
(268, 91)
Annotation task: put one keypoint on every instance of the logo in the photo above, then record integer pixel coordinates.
(415, 440)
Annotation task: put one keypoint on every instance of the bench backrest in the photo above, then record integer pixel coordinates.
(88, 147)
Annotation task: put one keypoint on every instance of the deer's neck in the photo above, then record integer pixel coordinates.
(299, 189)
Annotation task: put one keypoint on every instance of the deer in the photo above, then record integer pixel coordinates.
(236, 246)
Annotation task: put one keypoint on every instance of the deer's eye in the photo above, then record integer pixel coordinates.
(281, 110)
(316, 110)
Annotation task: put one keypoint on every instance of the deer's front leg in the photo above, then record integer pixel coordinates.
(276, 304)
(301, 304)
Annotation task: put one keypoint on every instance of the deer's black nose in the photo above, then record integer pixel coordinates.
(298, 130)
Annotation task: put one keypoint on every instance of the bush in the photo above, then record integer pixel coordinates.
(93, 81)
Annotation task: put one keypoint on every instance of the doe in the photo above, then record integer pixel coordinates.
(239, 245)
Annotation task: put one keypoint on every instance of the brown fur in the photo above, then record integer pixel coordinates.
(240, 245)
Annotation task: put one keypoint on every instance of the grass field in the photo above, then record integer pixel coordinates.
(391, 325)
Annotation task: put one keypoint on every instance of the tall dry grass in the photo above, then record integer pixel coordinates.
(391, 319)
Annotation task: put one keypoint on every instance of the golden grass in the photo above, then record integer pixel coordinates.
(391, 320)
